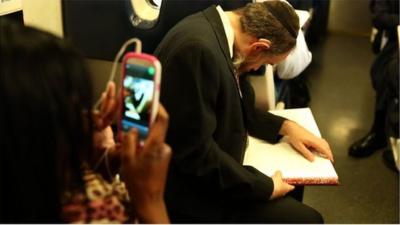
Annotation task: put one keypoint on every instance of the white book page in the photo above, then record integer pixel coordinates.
(295, 169)
(10, 6)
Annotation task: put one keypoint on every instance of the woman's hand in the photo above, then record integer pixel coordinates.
(145, 170)
(103, 137)
(108, 109)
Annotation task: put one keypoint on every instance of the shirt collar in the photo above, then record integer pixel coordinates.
(228, 29)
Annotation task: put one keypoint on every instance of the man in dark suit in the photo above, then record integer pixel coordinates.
(212, 110)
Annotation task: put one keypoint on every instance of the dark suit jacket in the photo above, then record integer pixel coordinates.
(209, 121)
(385, 16)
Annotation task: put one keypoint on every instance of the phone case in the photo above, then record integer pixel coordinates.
(156, 79)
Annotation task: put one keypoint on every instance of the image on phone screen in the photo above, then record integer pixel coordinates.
(138, 89)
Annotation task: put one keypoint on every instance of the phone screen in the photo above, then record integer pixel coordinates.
(138, 89)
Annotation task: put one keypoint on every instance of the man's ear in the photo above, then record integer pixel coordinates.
(260, 45)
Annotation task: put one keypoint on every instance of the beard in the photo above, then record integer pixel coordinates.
(238, 62)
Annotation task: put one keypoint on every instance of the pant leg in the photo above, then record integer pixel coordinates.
(384, 77)
(283, 210)
(297, 193)
(182, 218)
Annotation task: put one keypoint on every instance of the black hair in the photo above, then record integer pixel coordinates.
(45, 135)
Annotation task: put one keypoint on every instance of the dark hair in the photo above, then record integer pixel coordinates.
(276, 21)
(45, 137)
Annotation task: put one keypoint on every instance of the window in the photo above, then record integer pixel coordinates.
(143, 13)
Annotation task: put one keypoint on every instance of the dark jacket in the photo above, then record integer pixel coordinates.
(209, 121)
(385, 16)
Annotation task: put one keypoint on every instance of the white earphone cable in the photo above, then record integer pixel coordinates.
(138, 49)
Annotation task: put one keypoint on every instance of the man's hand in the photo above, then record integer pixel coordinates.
(304, 141)
(281, 188)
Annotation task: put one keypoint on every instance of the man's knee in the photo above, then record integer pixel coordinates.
(294, 211)
(313, 216)
(284, 210)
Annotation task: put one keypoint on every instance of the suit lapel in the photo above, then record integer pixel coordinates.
(214, 19)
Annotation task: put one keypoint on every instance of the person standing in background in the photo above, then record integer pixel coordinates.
(385, 81)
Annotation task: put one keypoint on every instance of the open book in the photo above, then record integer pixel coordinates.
(295, 169)
(10, 6)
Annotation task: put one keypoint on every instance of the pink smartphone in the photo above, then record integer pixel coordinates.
(140, 85)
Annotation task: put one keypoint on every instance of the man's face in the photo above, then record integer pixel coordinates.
(254, 61)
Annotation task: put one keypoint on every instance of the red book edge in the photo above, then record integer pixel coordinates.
(312, 181)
